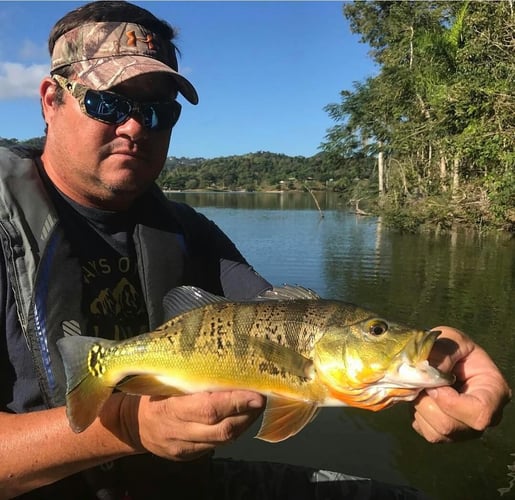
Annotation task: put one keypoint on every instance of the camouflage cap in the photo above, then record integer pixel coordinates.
(105, 54)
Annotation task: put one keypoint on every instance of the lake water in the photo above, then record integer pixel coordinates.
(461, 280)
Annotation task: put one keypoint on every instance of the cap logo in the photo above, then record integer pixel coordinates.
(132, 39)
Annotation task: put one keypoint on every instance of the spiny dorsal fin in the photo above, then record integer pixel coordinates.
(186, 298)
(284, 418)
(290, 292)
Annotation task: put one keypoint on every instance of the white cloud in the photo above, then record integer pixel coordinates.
(17, 80)
(30, 51)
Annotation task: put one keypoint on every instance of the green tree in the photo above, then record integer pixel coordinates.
(438, 116)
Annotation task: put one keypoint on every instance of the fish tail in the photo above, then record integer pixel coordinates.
(86, 389)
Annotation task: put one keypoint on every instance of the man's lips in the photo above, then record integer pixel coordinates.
(132, 153)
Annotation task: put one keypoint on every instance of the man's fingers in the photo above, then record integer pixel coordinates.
(443, 414)
(211, 408)
(225, 431)
(469, 409)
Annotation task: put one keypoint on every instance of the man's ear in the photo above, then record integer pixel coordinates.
(47, 92)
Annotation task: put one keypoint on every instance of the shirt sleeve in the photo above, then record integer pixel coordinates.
(219, 265)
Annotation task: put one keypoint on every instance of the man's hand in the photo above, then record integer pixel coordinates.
(476, 400)
(186, 427)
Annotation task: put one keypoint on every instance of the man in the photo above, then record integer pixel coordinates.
(90, 246)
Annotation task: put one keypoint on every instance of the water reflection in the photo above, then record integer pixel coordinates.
(283, 200)
(459, 279)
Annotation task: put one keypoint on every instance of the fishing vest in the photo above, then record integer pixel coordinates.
(43, 270)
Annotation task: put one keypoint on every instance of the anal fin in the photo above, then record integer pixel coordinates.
(284, 418)
(147, 385)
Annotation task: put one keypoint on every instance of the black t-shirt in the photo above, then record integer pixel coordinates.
(112, 299)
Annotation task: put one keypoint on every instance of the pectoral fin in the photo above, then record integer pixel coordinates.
(147, 385)
(283, 356)
(284, 418)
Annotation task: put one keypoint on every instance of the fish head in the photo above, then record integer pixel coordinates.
(374, 363)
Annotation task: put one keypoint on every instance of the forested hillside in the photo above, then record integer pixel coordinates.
(264, 171)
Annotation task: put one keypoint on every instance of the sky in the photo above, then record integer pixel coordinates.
(264, 71)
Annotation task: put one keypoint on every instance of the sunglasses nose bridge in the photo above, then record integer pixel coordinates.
(134, 112)
(133, 125)
(145, 116)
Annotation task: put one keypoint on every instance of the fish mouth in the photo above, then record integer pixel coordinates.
(420, 346)
(412, 368)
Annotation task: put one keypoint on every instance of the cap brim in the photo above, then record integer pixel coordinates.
(104, 73)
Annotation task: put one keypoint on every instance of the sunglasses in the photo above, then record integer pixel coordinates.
(114, 109)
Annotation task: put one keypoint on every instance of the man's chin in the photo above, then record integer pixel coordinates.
(124, 194)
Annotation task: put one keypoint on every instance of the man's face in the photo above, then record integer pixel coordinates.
(100, 164)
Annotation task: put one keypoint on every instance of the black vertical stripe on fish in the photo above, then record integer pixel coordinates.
(301, 353)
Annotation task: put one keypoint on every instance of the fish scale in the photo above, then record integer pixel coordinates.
(295, 326)
(302, 353)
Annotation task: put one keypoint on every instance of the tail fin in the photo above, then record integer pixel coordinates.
(86, 391)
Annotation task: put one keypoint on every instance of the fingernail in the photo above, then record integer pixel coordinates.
(255, 403)
(433, 393)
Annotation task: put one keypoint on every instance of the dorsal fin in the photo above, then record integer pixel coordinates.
(290, 292)
(186, 298)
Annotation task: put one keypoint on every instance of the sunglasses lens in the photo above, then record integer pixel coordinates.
(106, 106)
(160, 116)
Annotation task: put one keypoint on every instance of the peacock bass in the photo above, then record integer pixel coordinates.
(301, 351)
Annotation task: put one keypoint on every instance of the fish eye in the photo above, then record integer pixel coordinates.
(377, 327)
